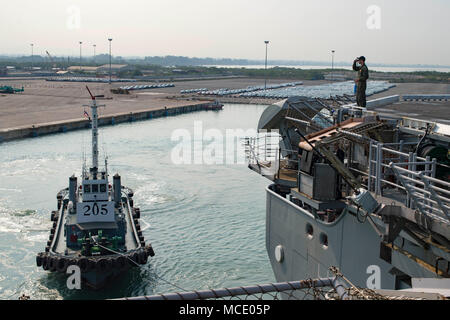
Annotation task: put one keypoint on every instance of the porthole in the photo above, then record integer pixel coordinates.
(323, 238)
(309, 231)
(279, 253)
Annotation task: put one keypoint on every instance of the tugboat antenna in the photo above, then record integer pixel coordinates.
(94, 131)
(90, 93)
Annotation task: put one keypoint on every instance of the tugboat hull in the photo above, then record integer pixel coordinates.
(97, 280)
(96, 226)
(96, 270)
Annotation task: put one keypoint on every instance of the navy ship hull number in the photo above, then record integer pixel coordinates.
(99, 211)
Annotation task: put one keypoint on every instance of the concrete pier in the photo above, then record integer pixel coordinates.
(45, 107)
(31, 131)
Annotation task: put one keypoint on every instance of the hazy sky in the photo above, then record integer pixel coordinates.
(394, 31)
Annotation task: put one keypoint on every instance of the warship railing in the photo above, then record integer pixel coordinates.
(380, 157)
(429, 195)
(337, 287)
(263, 150)
(415, 175)
(311, 289)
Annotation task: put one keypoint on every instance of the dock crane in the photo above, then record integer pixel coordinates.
(51, 59)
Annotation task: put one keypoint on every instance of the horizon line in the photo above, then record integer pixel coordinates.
(251, 61)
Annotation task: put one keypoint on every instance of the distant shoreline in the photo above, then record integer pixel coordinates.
(348, 68)
(184, 61)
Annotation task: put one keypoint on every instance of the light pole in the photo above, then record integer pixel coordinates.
(110, 39)
(265, 68)
(94, 51)
(332, 64)
(32, 54)
(80, 53)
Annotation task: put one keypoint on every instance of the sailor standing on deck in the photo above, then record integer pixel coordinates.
(361, 82)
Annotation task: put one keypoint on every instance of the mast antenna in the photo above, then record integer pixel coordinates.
(94, 122)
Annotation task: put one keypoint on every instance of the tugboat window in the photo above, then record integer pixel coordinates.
(103, 188)
(95, 188)
(87, 188)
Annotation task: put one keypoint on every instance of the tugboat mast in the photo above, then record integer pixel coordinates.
(94, 131)
(94, 134)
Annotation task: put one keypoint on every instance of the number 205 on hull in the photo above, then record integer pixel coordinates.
(96, 211)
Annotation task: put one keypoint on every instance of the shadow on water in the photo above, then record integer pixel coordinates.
(134, 282)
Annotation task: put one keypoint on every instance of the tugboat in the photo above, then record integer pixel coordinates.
(215, 106)
(96, 226)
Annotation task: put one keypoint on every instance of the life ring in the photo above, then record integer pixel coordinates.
(62, 264)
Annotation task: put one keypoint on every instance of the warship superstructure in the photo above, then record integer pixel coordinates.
(350, 188)
(96, 226)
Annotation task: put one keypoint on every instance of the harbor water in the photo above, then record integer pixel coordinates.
(206, 222)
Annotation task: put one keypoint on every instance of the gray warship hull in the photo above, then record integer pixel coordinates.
(351, 190)
(352, 247)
